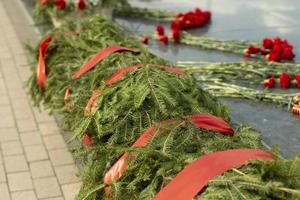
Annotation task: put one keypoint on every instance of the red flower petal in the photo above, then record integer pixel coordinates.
(287, 54)
(297, 77)
(268, 43)
(164, 39)
(275, 57)
(176, 36)
(160, 30)
(81, 5)
(270, 83)
(60, 4)
(145, 40)
(285, 80)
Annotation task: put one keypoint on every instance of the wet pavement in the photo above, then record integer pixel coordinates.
(239, 20)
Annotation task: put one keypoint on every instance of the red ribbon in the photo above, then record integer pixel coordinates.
(41, 67)
(125, 70)
(209, 122)
(212, 123)
(99, 57)
(196, 175)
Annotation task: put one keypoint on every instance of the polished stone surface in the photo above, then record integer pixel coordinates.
(240, 20)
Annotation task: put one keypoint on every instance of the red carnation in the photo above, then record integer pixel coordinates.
(87, 140)
(160, 30)
(164, 39)
(287, 54)
(176, 36)
(286, 44)
(268, 43)
(145, 40)
(175, 25)
(60, 4)
(285, 80)
(81, 5)
(274, 57)
(253, 50)
(270, 83)
(277, 48)
(198, 11)
(207, 15)
(297, 77)
(277, 40)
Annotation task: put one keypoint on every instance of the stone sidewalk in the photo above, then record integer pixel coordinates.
(34, 160)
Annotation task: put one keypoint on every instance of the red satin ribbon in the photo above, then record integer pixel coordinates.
(212, 123)
(196, 175)
(41, 67)
(99, 57)
(209, 122)
(125, 70)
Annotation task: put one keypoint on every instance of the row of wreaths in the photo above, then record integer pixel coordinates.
(147, 130)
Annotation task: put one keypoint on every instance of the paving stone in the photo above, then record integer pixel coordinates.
(2, 174)
(31, 138)
(41, 169)
(24, 195)
(22, 109)
(67, 174)
(27, 125)
(8, 134)
(15, 163)
(43, 116)
(4, 191)
(47, 187)
(35, 153)
(6, 116)
(48, 128)
(4, 100)
(12, 148)
(19, 181)
(56, 198)
(54, 142)
(70, 190)
(60, 157)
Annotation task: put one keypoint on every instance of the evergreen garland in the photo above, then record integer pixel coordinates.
(143, 97)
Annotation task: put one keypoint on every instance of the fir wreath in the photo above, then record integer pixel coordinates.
(143, 97)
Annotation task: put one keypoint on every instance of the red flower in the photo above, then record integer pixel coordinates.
(87, 140)
(286, 44)
(253, 50)
(81, 5)
(297, 77)
(274, 57)
(207, 15)
(268, 43)
(277, 48)
(164, 39)
(160, 30)
(198, 11)
(270, 83)
(175, 25)
(176, 36)
(287, 54)
(60, 4)
(145, 40)
(285, 80)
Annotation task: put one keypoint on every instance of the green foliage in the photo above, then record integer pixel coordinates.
(125, 109)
